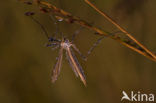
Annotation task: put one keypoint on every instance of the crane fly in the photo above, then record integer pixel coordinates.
(66, 45)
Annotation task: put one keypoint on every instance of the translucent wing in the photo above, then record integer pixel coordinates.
(71, 64)
(57, 67)
(75, 65)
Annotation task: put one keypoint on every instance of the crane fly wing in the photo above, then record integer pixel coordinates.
(57, 67)
(71, 64)
(75, 65)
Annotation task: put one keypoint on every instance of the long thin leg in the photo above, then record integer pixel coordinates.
(76, 49)
(90, 50)
(42, 27)
(95, 45)
(98, 42)
(51, 44)
(76, 33)
(56, 24)
(55, 47)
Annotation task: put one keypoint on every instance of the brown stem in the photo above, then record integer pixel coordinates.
(120, 28)
(61, 14)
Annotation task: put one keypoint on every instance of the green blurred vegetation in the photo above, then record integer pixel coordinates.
(26, 64)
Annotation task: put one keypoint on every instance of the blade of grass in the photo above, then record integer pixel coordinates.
(120, 28)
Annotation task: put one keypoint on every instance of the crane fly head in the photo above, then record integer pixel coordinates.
(65, 43)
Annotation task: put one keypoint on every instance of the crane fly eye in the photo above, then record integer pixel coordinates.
(66, 41)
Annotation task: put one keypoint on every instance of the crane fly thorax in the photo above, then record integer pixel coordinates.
(66, 44)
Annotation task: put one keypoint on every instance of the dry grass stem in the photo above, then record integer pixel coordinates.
(130, 42)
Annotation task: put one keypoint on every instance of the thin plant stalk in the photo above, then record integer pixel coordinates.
(119, 27)
(63, 15)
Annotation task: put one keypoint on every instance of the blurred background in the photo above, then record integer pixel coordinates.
(26, 63)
